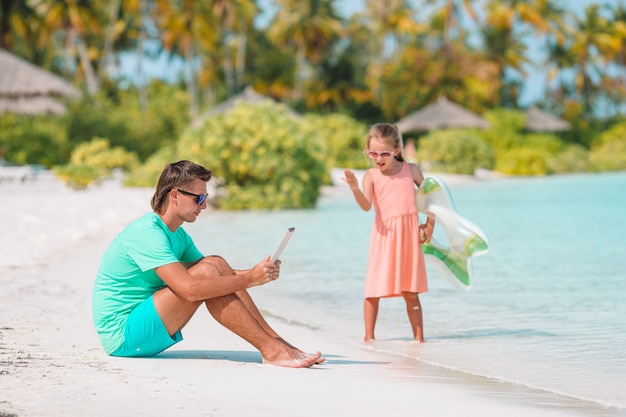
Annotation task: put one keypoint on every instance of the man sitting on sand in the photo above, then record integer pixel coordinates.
(152, 279)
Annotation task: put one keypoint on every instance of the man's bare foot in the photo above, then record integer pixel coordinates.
(300, 360)
(283, 341)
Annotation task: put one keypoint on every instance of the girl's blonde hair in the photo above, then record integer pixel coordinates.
(388, 133)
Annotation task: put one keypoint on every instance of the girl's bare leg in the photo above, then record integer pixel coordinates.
(370, 313)
(414, 311)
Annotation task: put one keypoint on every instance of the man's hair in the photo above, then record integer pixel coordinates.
(176, 175)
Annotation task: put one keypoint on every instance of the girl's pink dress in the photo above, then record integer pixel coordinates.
(396, 260)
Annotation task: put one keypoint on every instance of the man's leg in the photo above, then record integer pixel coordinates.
(223, 268)
(231, 312)
(238, 313)
(174, 311)
(247, 300)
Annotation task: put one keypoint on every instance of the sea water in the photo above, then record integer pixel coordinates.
(547, 307)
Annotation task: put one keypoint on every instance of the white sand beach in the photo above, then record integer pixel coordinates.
(51, 363)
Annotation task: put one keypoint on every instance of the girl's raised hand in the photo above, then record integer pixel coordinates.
(350, 179)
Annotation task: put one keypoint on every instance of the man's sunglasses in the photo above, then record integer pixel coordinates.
(200, 198)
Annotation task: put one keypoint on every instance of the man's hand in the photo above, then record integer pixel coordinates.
(264, 272)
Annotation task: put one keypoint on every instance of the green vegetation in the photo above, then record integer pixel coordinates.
(341, 140)
(341, 75)
(121, 120)
(262, 155)
(608, 152)
(92, 161)
(456, 151)
(34, 140)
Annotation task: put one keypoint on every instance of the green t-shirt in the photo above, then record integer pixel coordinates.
(127, 274)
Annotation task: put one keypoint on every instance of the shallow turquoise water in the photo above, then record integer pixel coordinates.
(547, 306)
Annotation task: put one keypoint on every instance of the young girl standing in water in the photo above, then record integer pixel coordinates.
(396, 262)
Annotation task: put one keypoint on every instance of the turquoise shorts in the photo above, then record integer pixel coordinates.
(145, 334)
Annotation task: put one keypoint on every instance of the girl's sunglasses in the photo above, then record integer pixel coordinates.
(384, 154)
(200, 198)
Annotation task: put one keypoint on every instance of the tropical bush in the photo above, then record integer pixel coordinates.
(560, 157)
(459, 151)
(93, 161)
(544, 141)
(608, 151)
(49, 140)
(342, 140)
(78, 177)
(505, 129)
(539, 159)
(37, 140)
(100, 154)
(262, 156)
(147, 174)
(521, 153)
(122, 120)
(523, 161)
(574, 158)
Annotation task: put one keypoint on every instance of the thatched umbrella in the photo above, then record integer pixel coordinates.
(441, 114)
(538, 120)
(248, 95)
(27, 89)
(30, 105)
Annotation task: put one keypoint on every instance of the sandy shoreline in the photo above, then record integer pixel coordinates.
(51, 363)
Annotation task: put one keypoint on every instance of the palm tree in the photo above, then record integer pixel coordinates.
(389, 20)
(109, 36)
(507, 24)
(558, 59)
(235, 17)
(77, 20)
(187, 26)
(126, 28)
(21, 31)
(618, 31)
(451, 16)
(592, 33)
(447, 39)
(11, 12)
(308, 27)
(549, 21)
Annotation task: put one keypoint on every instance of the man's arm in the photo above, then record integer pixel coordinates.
(208, 283)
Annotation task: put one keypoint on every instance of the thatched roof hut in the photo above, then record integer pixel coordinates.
(248, 95)
(538, 120)
(441, 114)
(27, 89)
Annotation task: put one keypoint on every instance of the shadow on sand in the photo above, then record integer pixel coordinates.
(249, 357)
